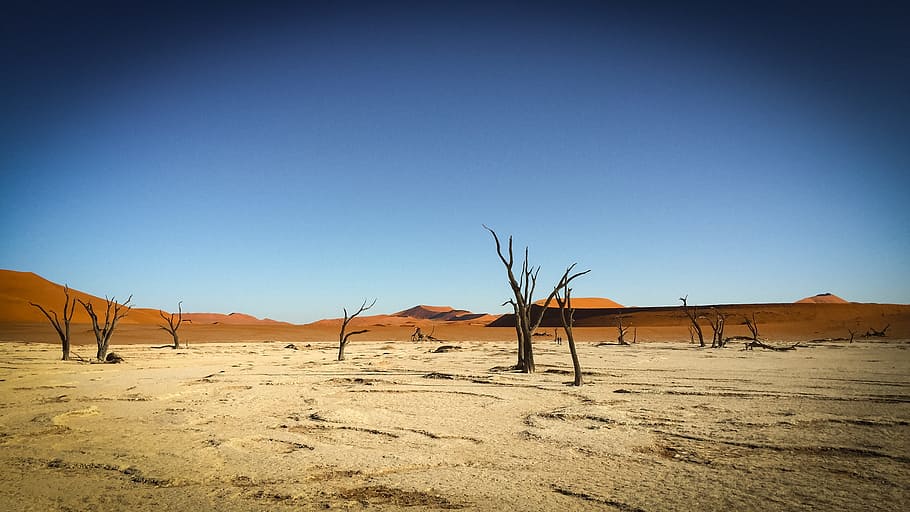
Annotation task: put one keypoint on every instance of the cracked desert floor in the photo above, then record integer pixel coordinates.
(397, 426)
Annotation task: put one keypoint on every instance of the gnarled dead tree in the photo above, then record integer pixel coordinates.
(113, 313)
(63, 329)
(173, 323)
(523, 291)
(752, 325)
(872, 332)
(692, 313)
(621, 331)
(342, 336)
(567, 315)
(717, 326)
(419, 336)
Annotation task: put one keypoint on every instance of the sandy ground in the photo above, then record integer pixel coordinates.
(256, 426)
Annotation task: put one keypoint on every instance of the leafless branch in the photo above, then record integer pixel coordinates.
(62, 328)
(342, 337)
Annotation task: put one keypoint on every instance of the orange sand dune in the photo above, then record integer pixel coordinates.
(424, 311)
(232, 319)
(417, 316)
(823, 298)
(17, 289)
(781, 321)
(442, 313)
(794, 321)
(586, 303)
(367, 321)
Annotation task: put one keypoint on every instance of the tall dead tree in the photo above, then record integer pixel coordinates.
(621, 331)
(342, 336)
(63, 329)
(567, 315)
(523, 291)
(113, 313)
(717, 326)
(173, 323)
(692, 313)
(752, 325)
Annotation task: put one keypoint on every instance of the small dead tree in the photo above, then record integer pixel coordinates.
(173, 323)
(419, 336)
(523, 290)
(63, 330)
(113, 313)
(621, 331)
(342, 336)
(567, 315)
(752, 325)
(717, 326)
(872, 332)
(692, 313)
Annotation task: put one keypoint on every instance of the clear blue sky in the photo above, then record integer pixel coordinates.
(286, 161)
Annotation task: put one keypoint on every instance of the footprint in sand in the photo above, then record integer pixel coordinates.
(60, 419)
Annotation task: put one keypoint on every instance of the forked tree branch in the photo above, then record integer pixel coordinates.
(342, 337)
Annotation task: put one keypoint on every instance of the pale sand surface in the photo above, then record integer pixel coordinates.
(256, 426)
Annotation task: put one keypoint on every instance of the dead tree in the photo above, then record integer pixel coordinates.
(756, 343)
(173, 323)
(752, 325)
(420, 336)
(567, 315)
(523, 291)
(342, 336)
(693, 317)
(430, 337)
(69, 306)
(113, 313)
(717, 326)
(874, 333)
(621, 337)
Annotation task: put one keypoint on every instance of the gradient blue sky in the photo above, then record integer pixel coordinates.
(288, 160)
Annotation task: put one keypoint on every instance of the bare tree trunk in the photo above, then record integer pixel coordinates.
(527, 347)
(342, 337)
(693, 317)
(519, 334)
(567, 322)
(717, 328)
(173, 323)
(113, 313)
(720, 331)
(576, 366)
(62, 328)
(621, 337)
